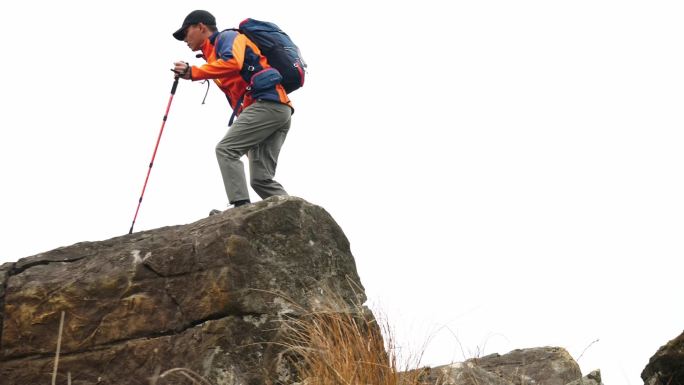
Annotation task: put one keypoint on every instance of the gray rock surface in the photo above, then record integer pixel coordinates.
(463, 374)
(209, 296)
(536, 366)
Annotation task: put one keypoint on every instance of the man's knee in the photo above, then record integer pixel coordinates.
(225, 150)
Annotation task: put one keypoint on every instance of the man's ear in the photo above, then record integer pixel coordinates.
(203, 28)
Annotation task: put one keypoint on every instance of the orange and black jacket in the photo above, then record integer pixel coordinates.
(240, 70)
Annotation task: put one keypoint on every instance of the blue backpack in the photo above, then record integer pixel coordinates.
(279, 49)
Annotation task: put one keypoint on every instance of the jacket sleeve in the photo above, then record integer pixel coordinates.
(227, 60)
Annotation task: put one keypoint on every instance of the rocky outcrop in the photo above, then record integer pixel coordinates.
(666, 367)
(216, 297)
(210, 296)
(548, 366)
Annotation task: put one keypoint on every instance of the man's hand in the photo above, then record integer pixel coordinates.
(182, 69)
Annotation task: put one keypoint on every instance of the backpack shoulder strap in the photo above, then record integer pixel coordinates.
(219, 40)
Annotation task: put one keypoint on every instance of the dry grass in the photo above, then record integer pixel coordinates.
(337, 346)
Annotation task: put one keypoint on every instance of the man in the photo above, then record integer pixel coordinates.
(258, 100)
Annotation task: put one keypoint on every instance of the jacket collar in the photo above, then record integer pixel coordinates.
(207, 47)
(212, 38)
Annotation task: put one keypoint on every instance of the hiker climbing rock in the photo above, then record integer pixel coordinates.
(255, 91)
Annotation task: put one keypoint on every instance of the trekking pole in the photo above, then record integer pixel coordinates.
(154, 154)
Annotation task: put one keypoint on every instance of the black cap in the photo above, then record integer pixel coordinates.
(194, 17)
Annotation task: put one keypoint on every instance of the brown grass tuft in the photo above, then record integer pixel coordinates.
(337, 346)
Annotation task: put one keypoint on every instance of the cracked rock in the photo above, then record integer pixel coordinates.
(206, 296)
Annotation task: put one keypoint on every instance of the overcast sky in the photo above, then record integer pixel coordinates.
(509, 173)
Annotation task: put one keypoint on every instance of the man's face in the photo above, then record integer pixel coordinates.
(194, 37)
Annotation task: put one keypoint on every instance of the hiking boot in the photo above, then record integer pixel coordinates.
(235, 204)
(241, 203)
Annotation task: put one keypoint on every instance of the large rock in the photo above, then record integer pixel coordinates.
(547, 365)
(666, 367)
(209, 296)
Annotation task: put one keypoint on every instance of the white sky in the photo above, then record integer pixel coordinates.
(509, 173)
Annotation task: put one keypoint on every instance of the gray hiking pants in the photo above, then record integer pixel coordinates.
(259, 132)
